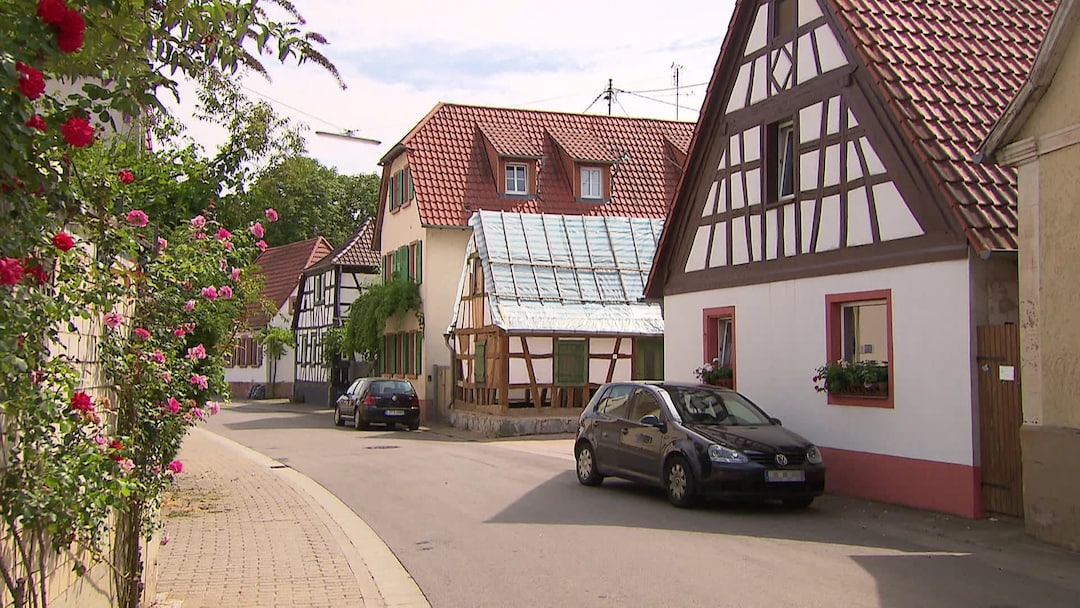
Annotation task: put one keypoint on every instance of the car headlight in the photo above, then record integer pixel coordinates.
(719, 453)
(813, 455)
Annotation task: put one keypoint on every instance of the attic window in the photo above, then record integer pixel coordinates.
(515, 178)
(781, 161)
(783, 18)
(591, 183)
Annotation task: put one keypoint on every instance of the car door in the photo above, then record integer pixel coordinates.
(610, 423)
(641, 445)
(346, 406)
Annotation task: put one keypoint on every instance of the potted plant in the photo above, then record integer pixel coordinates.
(716, 374)
(860, 378)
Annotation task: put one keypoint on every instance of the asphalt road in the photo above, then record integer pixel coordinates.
(505, 523)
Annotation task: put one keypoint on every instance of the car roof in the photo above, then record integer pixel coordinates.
(670, 383)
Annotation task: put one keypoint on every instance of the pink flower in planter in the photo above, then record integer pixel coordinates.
(271, 214)
(257, 230)
(228, 246)
(199, 382)
(113, 320)
(196, 352)
(138, 218)
(225, 292)
(189, 305)
(176, 467)
(142, 334)
(210, 293)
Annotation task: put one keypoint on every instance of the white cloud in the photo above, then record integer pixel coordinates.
(399, 60)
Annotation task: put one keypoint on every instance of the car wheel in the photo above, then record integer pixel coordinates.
(415, 426)
(338, 420)
(680, 483)
(587, 473)
(357, 421)
(798, 503)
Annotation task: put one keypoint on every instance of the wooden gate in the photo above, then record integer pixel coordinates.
(1000, 418)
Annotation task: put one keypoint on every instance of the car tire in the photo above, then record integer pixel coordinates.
(679, 482)
(415, 426)
(338, 419)
(358, 422)
(587, 473)
(798, 503)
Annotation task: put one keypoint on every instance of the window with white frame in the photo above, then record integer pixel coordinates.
(590, 183)
(786, 161)
(515, 178)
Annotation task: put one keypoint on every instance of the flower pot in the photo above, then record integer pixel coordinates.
(724, 382)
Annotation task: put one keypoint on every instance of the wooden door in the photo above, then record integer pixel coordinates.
(1000, 417)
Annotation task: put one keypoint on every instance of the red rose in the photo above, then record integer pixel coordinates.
(63, 241)
(37, 122)
(78, 132)
(72, 26)
(126, 176)
(11, 271)
(34, 270)
(31, 81)
(51, 11)
(81, 401)
(69, 43)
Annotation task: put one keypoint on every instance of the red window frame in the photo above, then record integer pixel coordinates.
(834, 304)
(710, 334)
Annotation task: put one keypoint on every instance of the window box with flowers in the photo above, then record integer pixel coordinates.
(857, 379)
(716, 374)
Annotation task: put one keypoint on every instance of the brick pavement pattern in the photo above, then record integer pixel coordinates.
(240, 536)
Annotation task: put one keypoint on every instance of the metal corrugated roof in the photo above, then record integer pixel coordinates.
(568, 273)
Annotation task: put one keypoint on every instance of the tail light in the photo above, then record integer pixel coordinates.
(369, 400)
(415, 401)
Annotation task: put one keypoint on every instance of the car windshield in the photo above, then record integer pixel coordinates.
(702, 405)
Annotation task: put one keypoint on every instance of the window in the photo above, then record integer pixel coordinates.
(643, 404)
(590, 183)
(648, 359)
(515, 179)
(480, 362)
(616, 402)
(859, 330)
(571, 362)
(783, 18)
(406, 261)
(399, 190)
(718, 328)
(786, 161)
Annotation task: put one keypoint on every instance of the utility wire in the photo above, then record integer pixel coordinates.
(685, 86)
(659, 101)
(293, 108)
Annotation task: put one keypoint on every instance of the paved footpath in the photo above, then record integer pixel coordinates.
(246, 531)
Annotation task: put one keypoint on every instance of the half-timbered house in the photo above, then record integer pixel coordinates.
(550, 307)
(280, 269)
(831, 212)
(325, 292)
(461, 159)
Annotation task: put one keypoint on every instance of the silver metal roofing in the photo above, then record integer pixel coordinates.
(567, 273)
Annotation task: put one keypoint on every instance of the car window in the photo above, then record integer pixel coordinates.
(712, 406)
(390, 387)
(643, 403)
(616, 401)
(355, 388)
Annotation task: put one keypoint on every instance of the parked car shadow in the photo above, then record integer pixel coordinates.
(906, 549)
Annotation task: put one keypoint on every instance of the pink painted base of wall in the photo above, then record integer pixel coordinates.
(923, 484)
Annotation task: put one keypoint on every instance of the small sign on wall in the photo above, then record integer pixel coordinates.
(1007, 373)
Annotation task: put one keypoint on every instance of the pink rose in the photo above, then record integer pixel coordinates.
(210, 293)
(166, 376)
(126, 176)
(223, 234)
(196, 352)
(142, 334)
(261, 245)
(189, 305)
(271, 214)
(77, 132)
(214, 407)
(225, 292)
(162, 243)
(113, 320)
(157, 356)
(198, 222)
(172, 405)
(125, 465)
(235, 274)
(198, 413)
(199, 382)
(257, 230)
(176, 467)
(138, 218)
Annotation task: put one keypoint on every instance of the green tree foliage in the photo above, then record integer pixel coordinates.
(372, 309)
(316, 199)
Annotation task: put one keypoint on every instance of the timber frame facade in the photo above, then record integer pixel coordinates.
(323, 297)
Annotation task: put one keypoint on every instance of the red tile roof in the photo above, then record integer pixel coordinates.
(947, 69)
(280, 268)
(356, 251)
(452, 177)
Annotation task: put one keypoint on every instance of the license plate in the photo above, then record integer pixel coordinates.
(395, 412)
(785, 476)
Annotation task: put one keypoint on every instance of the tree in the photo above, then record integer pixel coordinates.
(276, 341)
(316, 198)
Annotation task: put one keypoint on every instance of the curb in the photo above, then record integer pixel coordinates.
(382, 579)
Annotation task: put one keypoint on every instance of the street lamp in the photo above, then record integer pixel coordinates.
(348, 136)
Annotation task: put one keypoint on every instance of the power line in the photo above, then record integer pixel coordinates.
(660, 101)
(293, 108)
(685, 86)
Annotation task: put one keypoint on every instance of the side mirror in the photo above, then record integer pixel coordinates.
(654, 421)
(776, 421)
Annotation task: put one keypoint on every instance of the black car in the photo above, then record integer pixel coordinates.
(694, 440)
(388, 401)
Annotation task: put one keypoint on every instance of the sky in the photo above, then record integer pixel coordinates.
(398, 60)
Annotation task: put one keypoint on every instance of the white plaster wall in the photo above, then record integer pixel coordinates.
(286, 367)
(780, 340)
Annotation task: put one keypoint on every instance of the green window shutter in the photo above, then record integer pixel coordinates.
(418, 351)
(480, 362)
(401, 262)
(391, 190)
(419, 278)
(571, 364)
(391, 356)
(648, 359)
(412, 191)
(406, 354)
(400, 188)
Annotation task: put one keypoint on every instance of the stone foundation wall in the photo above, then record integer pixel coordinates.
(512, 426)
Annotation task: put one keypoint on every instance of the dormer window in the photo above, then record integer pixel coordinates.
(516, 178)
(592, 183)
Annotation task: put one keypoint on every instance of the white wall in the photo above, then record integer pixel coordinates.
(286, 365)
(780, 341)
